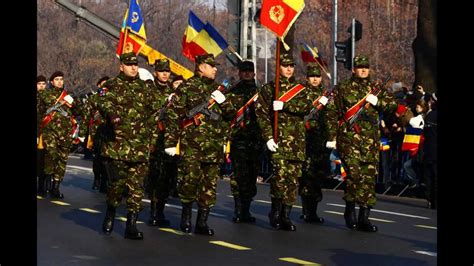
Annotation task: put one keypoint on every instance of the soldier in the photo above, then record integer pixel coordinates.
(246, 142)
(129, 107)
(177, 80)
(359, 146)
(288, 156)
(317, 155)
(55, 130)
(202, 134)
(163, 167)
(40, 88)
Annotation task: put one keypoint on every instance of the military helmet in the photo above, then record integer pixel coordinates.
(129, 58)
(361, 61)
(162, 65)
(286, 59)
(206, 58)
(313, 70)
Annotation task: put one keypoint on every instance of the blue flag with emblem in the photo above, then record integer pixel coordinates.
(135, 20)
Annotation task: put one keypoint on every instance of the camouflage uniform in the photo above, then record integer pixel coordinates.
(287, 161)
(317, 155)
(359, 151)
(246, 147)
(200, 147)
(40, 110)
(130, 108)
(56, 136)
(163, 167)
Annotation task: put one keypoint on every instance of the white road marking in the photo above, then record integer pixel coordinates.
(80, 168)
(429, 253)
(179, 208)
(89, 210)
(388, 212)
(426, 226)
(374, 219)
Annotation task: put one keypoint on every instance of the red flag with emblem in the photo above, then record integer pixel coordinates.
(279, 15)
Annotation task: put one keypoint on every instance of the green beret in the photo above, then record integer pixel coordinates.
(361, 61)
(162, 65)
(286, 60)
(206, 58)
(313, 70)
(129, 58)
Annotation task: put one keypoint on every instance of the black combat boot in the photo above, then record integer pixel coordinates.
(310, 207)
(350, 215)
(237, 210)
(186, 213)
(246, 216)
(96, 183)
(131, 231)
(285, 222)
(153, 221)
(55, 193)
(274, 214)
(364, 223)
(41, 185)
(108, 224)
(160, 216)
(201, 222)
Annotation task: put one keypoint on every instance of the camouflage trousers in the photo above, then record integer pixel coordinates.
(360, 182)
(315, 170)
(162, 171)
(197, 181)
(125, 175)
(244, 182)
(55, 159)
(283, 183)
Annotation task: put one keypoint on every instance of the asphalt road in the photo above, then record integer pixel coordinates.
(69, 232)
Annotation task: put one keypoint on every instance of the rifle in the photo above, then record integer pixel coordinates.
(203, 108)
(313, 114)
(375, 91)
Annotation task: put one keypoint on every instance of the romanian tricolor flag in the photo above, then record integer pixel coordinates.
(412, 138)
(384, 144)
(340, 168)
(132, 33)
(278, 15)
(200, 38)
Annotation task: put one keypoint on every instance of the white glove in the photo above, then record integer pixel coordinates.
(171, 151)
(218, 96)
(81, 139)
(417, 122)
(271, 145)
(372, 99)
(323, 100)
(277, 105)
(68, 99)
(170, 97)
(331, 144)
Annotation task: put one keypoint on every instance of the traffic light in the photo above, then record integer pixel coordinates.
(344, 53)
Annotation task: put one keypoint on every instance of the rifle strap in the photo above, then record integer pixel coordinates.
(49, 116)
(241, 111)
(291, 93)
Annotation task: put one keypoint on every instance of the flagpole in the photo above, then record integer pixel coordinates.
(277, 91)
(322, 67)
(125, 35)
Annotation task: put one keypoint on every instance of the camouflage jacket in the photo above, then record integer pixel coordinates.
(291, 128)
(159, 132)
(347, 94)
(136, 105)
(246, 132)
(203, 142)
(61, 126)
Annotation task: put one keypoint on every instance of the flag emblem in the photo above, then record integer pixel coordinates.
(277, 13)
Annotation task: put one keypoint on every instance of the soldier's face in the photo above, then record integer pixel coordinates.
(208, 71)
(163, 76)
(40, 85)
(314, 81)
(361, 72)
(287, 71)
(246, 75)
(58, 82)
(177, 83)
(129, 70)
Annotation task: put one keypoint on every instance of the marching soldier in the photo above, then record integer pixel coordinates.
(317, 155)
(129, 107)
(288, 155)
(199, 108)
(246, 142)
(40, 89)
(55, 130)
(359, 145)
(162, 166)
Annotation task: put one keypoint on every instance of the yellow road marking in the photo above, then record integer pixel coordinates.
(124, 219)
(374, 219)
(298, 261)
(39, 197)
(426, 226)
(170, 230)
(60, 202)
(229, 245)
(89, 210)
